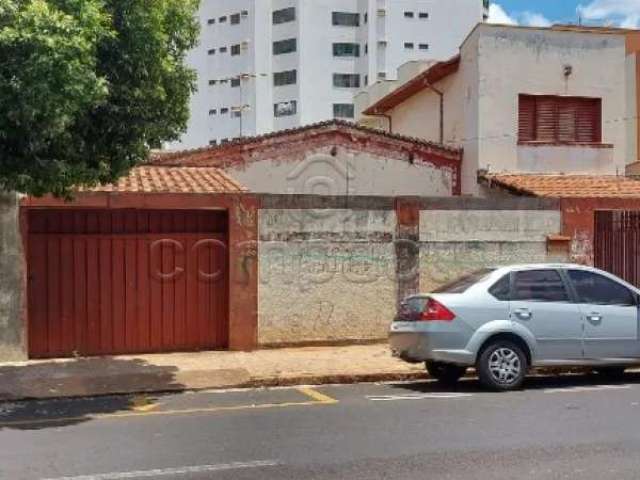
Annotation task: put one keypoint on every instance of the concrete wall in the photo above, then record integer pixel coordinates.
(12, 331)
(454, 242)
(325, 275)
(350, 172)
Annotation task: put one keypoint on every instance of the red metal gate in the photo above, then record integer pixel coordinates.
(108, 282)
(617, 243)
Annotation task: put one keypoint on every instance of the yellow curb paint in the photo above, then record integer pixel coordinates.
(316, 395)
(318, 400)
(142, 403)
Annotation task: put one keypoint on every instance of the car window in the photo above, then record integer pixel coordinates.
(539, 285)
(462, 284)
(594, 288)
(500, 289)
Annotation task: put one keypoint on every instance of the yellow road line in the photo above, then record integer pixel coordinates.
(316, 395)
(319, 399)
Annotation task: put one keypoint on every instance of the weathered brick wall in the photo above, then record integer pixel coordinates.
(325, 275)
(11, 277)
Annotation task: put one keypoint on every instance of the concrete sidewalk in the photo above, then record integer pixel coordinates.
(196, 371)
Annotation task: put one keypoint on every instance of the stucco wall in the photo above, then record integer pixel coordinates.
(12, 330)
(349, 172)
(453, 242)
(325, 275)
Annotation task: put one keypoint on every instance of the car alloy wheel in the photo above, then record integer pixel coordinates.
(502, 366)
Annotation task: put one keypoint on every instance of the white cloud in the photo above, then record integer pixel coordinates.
(497, 14)
(625, 13)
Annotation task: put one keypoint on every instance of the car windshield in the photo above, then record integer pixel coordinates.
(462, 284)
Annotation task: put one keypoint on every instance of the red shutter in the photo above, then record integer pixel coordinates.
(526, 118)
(546, 119)
(567, 119)
(588, 122)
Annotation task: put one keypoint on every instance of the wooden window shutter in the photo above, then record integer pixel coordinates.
(526, 118)
(546, 119)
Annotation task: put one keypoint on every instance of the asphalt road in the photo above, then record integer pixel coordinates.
(558, 428)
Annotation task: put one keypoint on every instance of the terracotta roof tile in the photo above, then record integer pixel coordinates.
(156, 179)
(567, 186)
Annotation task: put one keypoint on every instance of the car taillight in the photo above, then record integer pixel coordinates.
(434, 311)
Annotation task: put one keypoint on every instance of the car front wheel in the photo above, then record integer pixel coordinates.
(502, 366)
(445, 373)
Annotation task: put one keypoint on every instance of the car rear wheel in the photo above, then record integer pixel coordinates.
(502, 366)
(611, 372)
(445, 373)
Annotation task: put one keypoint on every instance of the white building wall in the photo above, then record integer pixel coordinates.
(383, 35)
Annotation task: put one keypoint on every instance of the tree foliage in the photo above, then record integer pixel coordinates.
(88, 87)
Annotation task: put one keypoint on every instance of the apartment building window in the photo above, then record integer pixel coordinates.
(236, 113)
(245, 13)
(409, 15)
(222, 19)
(382, 75)
(343, 110)
(213, 111)
(284, 15)
(366, 80)
(555, 119)
(285, 109)
(366, 49)
(346, 80)
(235, 50)
(235, 19)
(223, 49)
(235, 82)
(408, 45)
(423, 15)
(224, 141)
(346, 50)
(288, 77)
(285, 46)
(424, 46)
(212, 82)
(213, 143)
(224, 111)
(211, 21)
(345, 19)
(211, 51)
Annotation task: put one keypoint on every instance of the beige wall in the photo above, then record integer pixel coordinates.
(325, 275)
(348, 173)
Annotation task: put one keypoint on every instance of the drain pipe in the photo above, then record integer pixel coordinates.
(440, 93)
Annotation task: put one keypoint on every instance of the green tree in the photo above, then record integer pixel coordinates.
(88, 87)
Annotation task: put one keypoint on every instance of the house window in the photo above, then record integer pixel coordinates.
(546, 118)
(235, 19)
(408, 15)
(423, 15)
(222, 19)
(285, 109)
(235, 50)
(235, 82)
(346, 50)
(344, 19)
(408, 45)
(285, 46)
(346, 80)
(223, 49)
(343, 110)
(288, 77)
(285, 15)
(423, 46)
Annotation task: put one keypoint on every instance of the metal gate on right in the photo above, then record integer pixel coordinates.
(616, 246)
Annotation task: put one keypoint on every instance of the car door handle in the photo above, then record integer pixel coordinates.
(594, 317)
(523, 313)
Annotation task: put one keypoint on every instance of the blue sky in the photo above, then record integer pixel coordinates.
(624, 13)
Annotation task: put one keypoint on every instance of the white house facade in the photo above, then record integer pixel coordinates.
(269, 65)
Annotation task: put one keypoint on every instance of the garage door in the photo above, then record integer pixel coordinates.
(126, 281)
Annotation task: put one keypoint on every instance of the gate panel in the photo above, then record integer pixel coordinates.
(616, 237)
(93, 291)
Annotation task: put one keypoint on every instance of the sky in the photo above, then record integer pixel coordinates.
(622, 13)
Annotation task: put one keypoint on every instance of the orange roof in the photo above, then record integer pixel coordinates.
(567, 186)
(157, 179)
(431, 76)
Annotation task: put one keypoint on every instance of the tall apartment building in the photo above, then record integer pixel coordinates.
(268, 65)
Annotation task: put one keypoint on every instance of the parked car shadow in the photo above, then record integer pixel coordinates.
(538, 381)
(30, 395)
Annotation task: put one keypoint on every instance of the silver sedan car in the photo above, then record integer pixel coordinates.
(505, 320)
